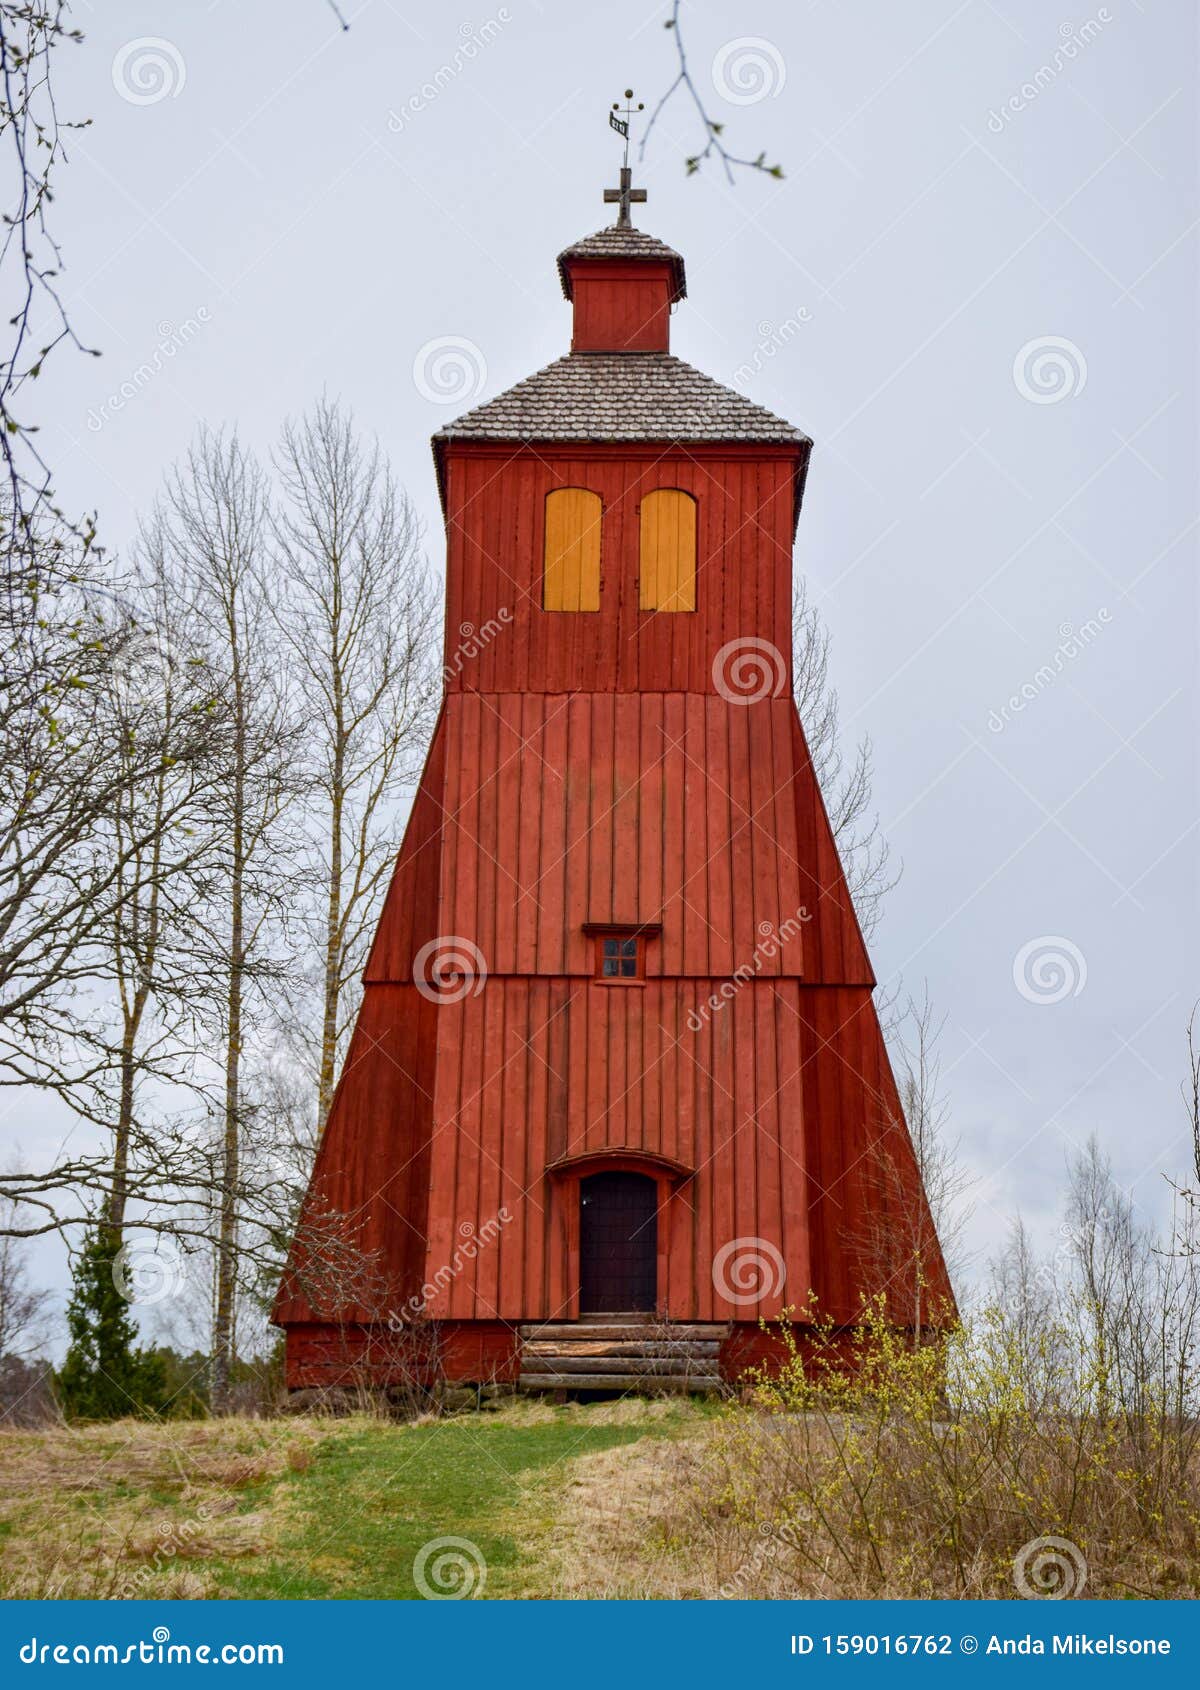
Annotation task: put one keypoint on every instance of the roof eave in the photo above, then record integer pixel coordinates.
(801, 445)
(671, 260)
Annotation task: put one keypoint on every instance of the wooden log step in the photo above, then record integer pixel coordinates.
(695, 1347)
(707, 1330)
(634, 1317)
(618, 1382)
(650, 1366)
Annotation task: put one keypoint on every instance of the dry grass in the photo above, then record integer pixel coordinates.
(997, 1465)
(325, 1506)
(869, 1486)
(940, 1471)
(777, 1505)
(783, 1506)
(614, 1516)
(139, 1510)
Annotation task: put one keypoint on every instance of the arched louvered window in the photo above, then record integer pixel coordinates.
(571, 579)
(668, 551)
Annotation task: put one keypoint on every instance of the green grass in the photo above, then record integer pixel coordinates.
(307, 1507)
(355, 1522)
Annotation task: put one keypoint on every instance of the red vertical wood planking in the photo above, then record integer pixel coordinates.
(594, 767)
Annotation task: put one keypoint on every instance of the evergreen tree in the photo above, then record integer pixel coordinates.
(104, 1376)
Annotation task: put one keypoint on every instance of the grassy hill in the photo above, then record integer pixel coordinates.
(803, 1493)
(333, 1508)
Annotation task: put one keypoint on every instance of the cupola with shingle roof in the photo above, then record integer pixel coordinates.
(620, 382)
(622, 284)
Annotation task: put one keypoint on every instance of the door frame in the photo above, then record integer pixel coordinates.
(567, 1175)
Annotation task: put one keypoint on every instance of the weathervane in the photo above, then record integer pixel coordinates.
(625, 195)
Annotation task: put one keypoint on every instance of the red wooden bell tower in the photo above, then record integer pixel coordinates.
(617, 1044)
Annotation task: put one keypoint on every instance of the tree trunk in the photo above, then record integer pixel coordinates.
(114, 1218)
(333, 937)
(224, 1324)
(135, 994)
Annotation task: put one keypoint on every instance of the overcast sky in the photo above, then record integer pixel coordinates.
(974, 288)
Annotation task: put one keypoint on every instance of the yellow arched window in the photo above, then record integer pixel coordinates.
(668, 551)
(572, 558)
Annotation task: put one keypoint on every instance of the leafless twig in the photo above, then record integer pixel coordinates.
(713, 131)
(31, 137)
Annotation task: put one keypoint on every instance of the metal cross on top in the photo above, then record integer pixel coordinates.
(626, 195)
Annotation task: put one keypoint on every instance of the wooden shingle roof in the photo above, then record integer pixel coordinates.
(624, 243)
(621, 396)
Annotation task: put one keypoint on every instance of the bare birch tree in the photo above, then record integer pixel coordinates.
(1188, 1193)
(26, 1397)
(927, 1115)
(75, 743)
(156, 958)
(845, 782)
(901, 1240)
(213, 525)
(359, 617)
(24, 1307)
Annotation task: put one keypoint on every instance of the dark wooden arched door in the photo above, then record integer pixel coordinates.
(618, 1243)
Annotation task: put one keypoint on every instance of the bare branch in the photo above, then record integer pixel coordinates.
(712, 131)
(32, 136)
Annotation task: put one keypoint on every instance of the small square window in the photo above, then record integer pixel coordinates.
(619, 958)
